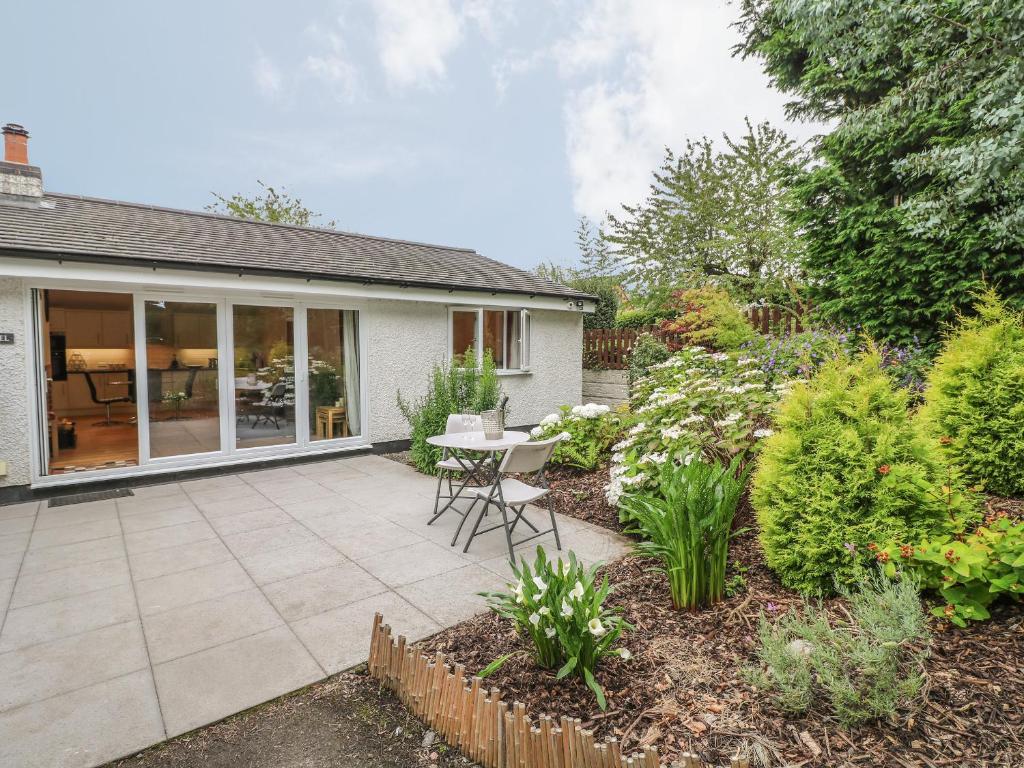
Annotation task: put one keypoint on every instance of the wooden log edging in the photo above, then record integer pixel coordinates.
(487, 729)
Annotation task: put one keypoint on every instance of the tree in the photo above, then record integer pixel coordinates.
(274, 206)
(717, 217)
(592, 277)
(595, 258)
(918, 197)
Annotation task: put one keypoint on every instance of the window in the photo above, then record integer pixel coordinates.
(505, 332)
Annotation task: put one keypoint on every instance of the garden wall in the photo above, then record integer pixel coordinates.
(608, 387)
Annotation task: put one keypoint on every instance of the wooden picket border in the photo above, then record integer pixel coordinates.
(486, 728)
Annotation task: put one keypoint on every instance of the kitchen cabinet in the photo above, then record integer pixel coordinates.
(195, 331)
(93, 328)
(116, 329)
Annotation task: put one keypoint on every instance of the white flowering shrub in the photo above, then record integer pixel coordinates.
(695, 404)
(560, 607)
(590, 431)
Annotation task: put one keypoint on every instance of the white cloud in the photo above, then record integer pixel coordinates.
(333, 65)
(642, 76)
(267, 75)
(414, 38)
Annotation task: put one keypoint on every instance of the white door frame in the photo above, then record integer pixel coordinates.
(229, 454)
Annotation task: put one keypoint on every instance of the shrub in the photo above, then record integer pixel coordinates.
(591, 431)
(969, 573)
(696, 403)
(783, 358)
(646, 351)
(560, 607)
(687, 526)
(452, 388)
(709, 317)
(847, 466)
(864, 667)
(607, 305)
(975, 397)
(640, 317)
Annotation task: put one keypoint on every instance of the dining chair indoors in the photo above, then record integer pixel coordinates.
(449, 465)
(511, 495)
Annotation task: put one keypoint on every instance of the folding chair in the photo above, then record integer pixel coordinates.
(447, 466)
(511, 495)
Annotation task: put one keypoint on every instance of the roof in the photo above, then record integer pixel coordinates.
(89, 229)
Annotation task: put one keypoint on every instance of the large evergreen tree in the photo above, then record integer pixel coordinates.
(919, 195)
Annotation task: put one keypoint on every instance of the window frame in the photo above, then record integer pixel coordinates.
(523, 342)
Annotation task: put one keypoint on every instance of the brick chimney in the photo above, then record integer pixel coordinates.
(15, 144)
(18, 179)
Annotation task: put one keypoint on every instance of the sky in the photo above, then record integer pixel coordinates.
(475, 123)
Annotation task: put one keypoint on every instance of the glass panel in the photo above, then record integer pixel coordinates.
(512, 339)
(463, 332)
(494, 333)
(88, 351)
(181, 353)
(333, 373)
(264, 376)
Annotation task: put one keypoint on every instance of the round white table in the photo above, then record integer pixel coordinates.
(475, 441)
(461, 444)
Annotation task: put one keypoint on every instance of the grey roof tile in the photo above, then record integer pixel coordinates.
(75, 227)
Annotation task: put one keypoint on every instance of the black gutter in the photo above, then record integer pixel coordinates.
(155, 264)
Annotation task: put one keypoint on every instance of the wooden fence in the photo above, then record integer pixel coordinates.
(486, 728)
(610, 347)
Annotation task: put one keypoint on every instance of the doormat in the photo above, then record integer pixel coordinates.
(87, 467)
(81, 498)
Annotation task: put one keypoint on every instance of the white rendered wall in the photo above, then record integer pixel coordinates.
(406, 338)
(14, 409)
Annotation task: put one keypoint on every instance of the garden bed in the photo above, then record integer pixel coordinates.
(683, 689)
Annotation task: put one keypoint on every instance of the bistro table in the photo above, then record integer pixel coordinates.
(471, 450)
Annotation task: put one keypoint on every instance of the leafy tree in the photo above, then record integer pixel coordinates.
(919, 195)
(717, 217)
(275, 206)
(589, 278)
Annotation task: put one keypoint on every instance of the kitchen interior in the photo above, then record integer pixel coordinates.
(90, 354)
(94, 384)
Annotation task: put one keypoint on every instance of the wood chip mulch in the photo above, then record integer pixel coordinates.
(580, 494)
(683, 689)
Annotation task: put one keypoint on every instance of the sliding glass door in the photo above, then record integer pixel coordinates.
(263, 339)
(333, 381)
(202, 380)
(182, 386)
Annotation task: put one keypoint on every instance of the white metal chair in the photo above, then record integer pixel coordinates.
(509, 494)
(448, 465)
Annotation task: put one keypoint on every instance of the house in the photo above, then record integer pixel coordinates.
(137, 340)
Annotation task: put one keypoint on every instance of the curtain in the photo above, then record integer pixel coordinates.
(350, 342)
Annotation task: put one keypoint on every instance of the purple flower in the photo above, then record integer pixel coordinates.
(851, 548)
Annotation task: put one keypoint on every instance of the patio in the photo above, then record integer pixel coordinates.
(124, 622)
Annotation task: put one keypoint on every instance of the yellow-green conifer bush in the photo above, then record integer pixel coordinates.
(847, 466)
(974, 401)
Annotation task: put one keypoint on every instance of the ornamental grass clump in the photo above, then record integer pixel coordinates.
(590, 430)
(687, 525)
(560, 607)
(848, 466)
(974, 400)
(862, 667)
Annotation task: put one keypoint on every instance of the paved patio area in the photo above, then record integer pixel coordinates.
(125, 622)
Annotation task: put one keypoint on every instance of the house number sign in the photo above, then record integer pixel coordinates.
(6, 338)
